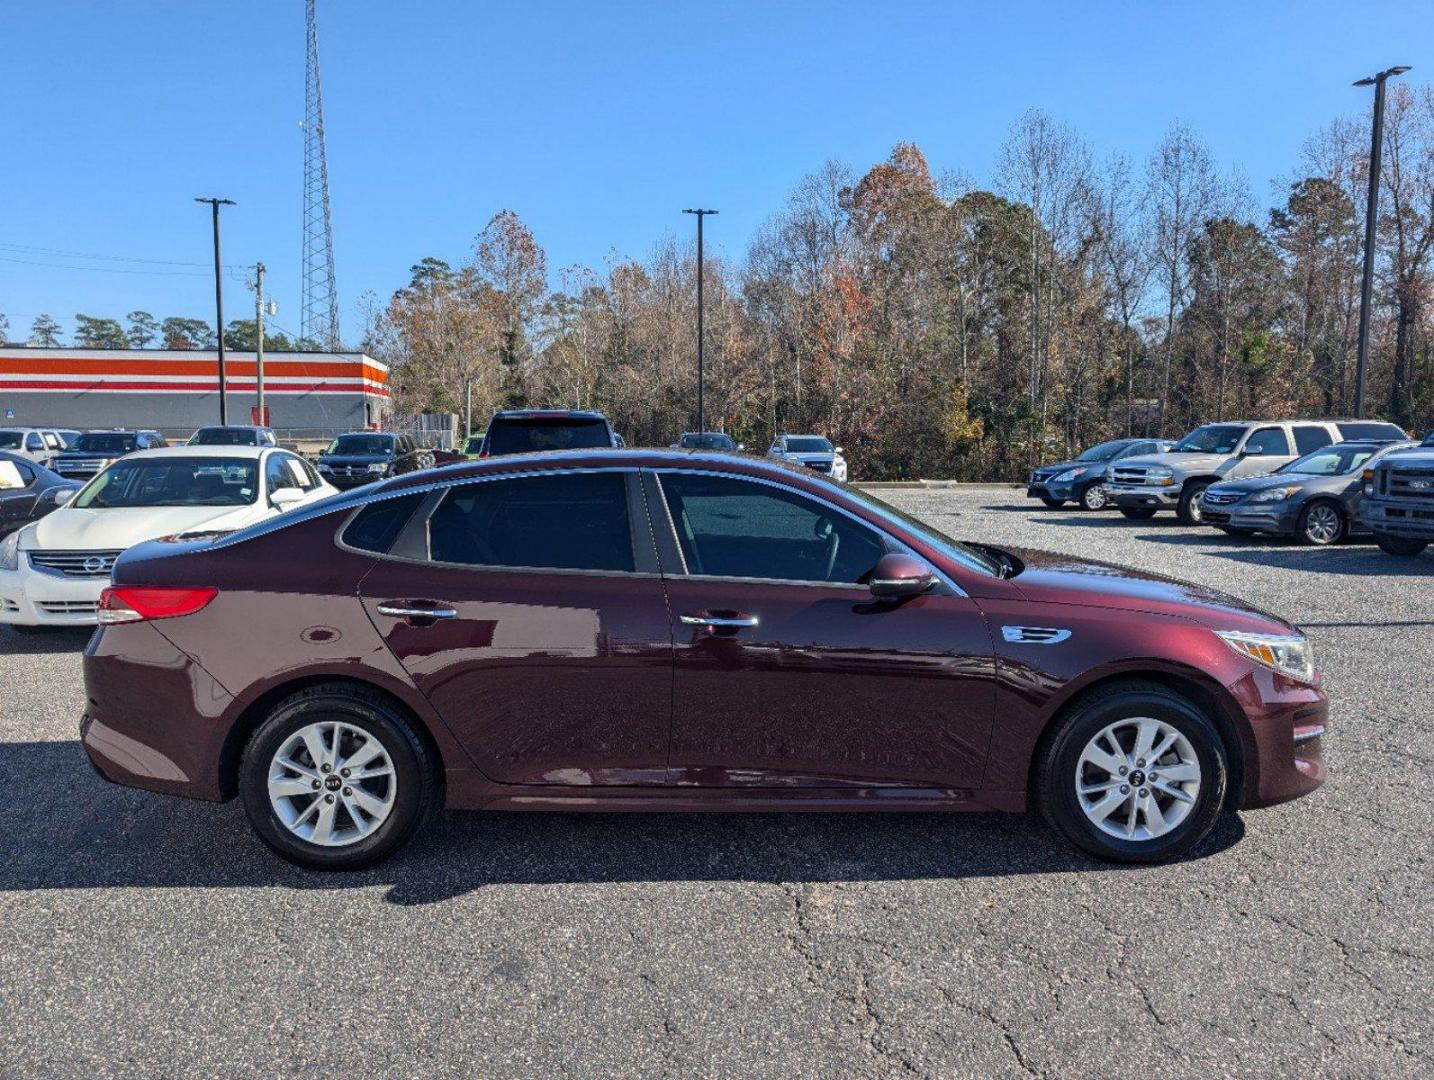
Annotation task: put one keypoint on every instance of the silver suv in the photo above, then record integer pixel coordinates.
(40, 445)
(813, 452)
(1176, 479)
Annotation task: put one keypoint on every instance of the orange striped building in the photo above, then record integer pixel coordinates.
(309, 393)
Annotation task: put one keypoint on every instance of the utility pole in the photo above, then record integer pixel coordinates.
(467, 411)
(701, 408)
(1370, 220)
(215, 204)
(259, 343)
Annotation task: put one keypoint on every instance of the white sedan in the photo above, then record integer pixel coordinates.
(52, 572)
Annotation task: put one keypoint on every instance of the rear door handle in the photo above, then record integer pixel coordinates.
(403, 611)
(725, 622)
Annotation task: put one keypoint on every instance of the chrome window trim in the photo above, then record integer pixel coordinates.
(901, 545)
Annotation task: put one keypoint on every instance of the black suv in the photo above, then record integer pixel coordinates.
(524, 431)
(361, 457)
(95, 450)
(1398, 504)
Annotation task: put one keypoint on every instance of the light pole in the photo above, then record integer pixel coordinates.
(1370, 219)
(701, 409)
(215, 204)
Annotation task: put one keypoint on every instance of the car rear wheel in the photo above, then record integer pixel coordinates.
(1399, 545)
(1188, 509)
(1137, 513)
(1052, 503)
(336, 779)
(1093, 497)
(1135, 773)
(1321, 523)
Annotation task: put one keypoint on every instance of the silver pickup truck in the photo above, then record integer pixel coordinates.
(1176, 479)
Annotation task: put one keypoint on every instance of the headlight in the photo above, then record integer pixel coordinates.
(1069, 474)
(377, 466)
(1159, 472)
(1279, 494)
(10, 552)
(1289, 654)
(324, 466)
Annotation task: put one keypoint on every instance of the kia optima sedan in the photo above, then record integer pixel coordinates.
(645, 630)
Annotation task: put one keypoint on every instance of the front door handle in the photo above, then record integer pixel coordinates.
(723, 622)
(403, 611)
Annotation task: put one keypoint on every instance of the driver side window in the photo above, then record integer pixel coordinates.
(743, 529)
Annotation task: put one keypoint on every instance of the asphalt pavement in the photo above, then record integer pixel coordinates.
(148, 936)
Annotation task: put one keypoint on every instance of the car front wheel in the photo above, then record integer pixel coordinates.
(1094, 497)
(1399, 545)
(336, 779)
(1188, 510)
(1321, 523)
(1135, 773)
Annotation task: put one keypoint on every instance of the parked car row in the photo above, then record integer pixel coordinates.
(1307, 479)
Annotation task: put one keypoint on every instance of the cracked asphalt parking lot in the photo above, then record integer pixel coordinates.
(141, 935)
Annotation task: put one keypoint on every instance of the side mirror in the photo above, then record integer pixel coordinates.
(1252, 451)
(896, 575)
(285, 498)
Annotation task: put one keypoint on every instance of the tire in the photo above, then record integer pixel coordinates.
(1052, 503)
(1399, 545)
(406, 795)
(1178, 825)
(1138, 513)
(1322, 523)
(1188, 509)
(1093, 497)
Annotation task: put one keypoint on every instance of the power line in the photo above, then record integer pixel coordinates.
(235, 272)
(35, 250)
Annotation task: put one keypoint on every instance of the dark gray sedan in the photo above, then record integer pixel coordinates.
(1083, 480)
(1314, 498)
(29, 491)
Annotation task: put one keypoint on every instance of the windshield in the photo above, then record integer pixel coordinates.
(361, 444)
(474, 443)
(186, 481)
(223, 436)
(1331, 461)
(1104, 452)
(1210, 439)
(12, 440)
(521, 435)
(706, 440)
(809, 445)
(104, 442)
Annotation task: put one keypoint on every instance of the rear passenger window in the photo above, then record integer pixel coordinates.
(1370, 429)
(378, 524)
(1308, 438)
(569, 521)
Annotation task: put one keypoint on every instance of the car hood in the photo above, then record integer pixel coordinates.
(1061, 466)
(1250, 484)
(355, 459)
(73, 529)
(1185, 462)
(1049, 578)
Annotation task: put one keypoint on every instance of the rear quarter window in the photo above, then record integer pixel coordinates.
(378, 524)
(1369, 429)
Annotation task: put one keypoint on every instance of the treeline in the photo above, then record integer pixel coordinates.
(141, 330)
(937, 329)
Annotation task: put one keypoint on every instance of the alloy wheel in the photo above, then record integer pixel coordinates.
(1322, 524)
(1137, 779)
(332, 784)
(1095, 497)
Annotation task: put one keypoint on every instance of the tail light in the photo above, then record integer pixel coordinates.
(141, 603)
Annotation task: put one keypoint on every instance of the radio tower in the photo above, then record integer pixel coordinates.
(319, 317)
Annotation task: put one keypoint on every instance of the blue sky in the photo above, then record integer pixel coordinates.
(596, 122)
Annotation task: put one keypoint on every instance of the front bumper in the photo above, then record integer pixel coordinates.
(1144, 497)
(30, 598)
(1278, 518)
(1046, 489)
(1287, 724)
(345, 483)
(1413, 521)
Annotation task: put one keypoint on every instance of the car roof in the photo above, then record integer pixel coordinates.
(232, 427)
(548, 414)
(204, 451)
(614, 458)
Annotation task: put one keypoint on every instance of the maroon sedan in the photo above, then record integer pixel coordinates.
(649, 630)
